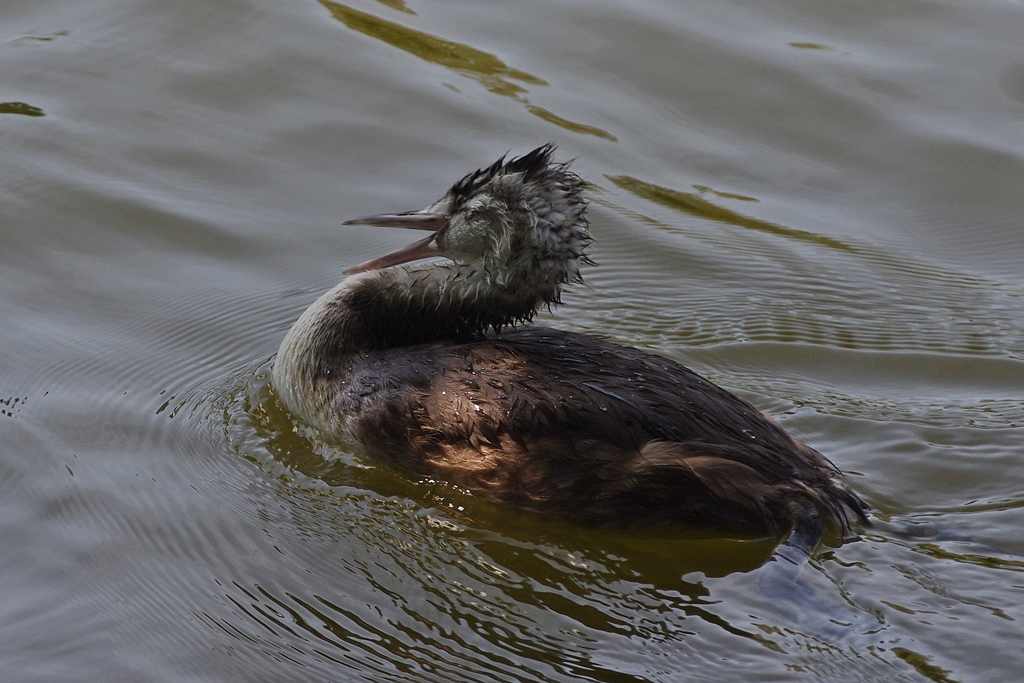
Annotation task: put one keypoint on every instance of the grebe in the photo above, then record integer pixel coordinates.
(424, 368)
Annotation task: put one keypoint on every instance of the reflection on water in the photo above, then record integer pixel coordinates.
(695, 205)
(568, 125)
(483, 67)
(20, 108)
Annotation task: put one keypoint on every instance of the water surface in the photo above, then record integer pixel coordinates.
(818, 205)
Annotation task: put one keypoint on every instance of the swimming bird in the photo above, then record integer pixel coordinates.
(433, 368)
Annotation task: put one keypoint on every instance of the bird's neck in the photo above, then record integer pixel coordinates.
(401, 307)
(396, 307)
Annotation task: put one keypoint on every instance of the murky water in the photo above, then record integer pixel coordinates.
(819, 205)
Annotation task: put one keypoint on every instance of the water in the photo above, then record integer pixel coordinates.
(817, 205)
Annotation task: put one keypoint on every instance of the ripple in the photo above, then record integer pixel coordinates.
(928, 389)
(486, 584)
(744, 283)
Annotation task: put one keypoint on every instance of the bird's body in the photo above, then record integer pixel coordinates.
(421, 368)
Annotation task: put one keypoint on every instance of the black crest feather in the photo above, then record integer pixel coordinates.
(530, 164)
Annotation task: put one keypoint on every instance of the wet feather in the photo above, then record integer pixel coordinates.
(432, 369)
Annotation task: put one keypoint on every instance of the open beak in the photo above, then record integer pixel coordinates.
(416, 220)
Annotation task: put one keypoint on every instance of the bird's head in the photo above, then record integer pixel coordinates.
(518, 222)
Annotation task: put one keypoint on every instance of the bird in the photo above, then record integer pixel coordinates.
(433, 366)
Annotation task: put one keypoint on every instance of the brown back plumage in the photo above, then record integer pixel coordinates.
(590, 430)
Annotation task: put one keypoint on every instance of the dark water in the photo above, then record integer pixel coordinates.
(819, 205)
